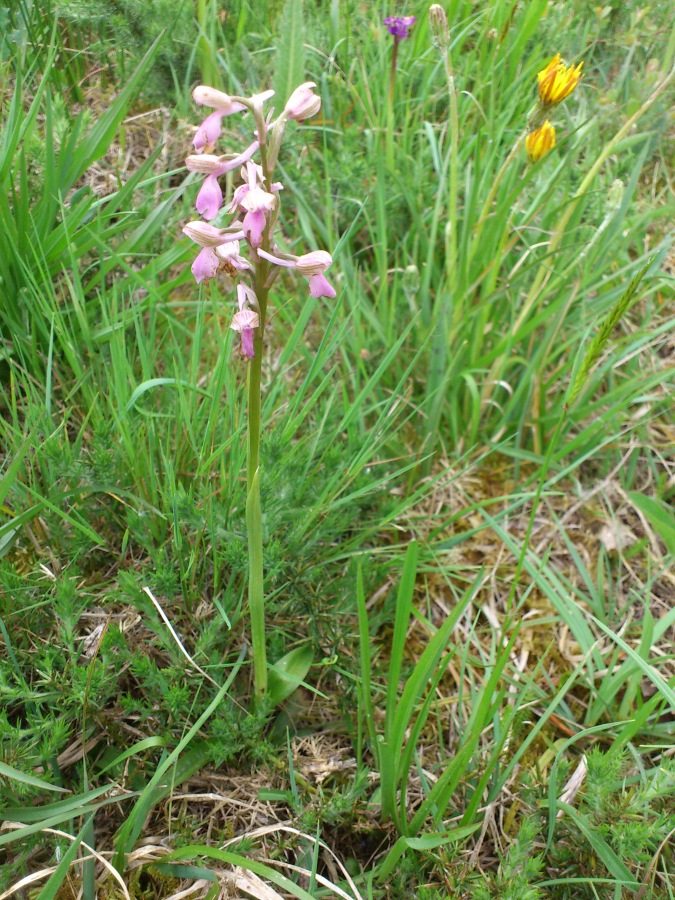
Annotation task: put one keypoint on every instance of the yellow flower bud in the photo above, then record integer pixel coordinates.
(557, 81)
(539, 142)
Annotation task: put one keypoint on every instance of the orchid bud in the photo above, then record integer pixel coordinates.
(303, 102)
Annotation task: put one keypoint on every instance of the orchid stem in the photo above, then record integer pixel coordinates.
(256, 595)
(254, 528)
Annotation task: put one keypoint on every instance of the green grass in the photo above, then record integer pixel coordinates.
(467, 462)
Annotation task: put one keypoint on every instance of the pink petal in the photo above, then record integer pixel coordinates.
(247, 348)
(209, 198)
(209, 131)
(253, 226)
(238, 196)
(205, 265)
(319, 287)
(208, 96)
(205, 235)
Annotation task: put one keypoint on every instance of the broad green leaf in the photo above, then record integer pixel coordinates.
(288, 673)
(152, 383)
(235, 859)
(51, 889)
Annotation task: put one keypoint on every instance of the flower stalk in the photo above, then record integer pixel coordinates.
(399, 28)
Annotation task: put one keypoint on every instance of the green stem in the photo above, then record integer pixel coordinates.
(392, 72)
(492, 193)
(254, 528)
(256, 595)
(390, 109)
(445, 324)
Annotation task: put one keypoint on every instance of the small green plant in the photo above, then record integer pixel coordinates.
(519, 870)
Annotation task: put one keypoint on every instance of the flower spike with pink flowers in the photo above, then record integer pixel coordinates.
(244, 248)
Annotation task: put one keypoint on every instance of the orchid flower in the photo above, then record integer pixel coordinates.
(223, 105)
(312, 266)
(245, 322)
(255, 207)
(210, 196)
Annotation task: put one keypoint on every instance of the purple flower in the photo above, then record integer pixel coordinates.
(223, 105)
(206, 235)
(233, 261)
(399, 26)
(208, 96)
(246, 298)
(253, 226)
(255, 201)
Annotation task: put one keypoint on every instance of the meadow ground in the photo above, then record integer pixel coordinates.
(422, 645)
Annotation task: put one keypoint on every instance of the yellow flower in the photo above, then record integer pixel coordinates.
(557, 81)
(539, 142)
